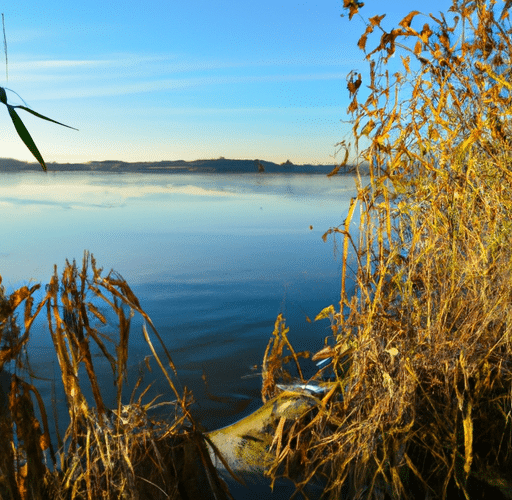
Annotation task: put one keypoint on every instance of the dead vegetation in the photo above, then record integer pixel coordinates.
(420, 400)
(105, 453)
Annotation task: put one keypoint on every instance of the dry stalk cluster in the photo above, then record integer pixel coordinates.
(421, 402)
(109, 453)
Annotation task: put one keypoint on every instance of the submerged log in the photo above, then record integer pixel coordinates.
(246, 445)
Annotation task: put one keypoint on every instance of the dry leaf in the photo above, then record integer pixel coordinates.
(406, 21)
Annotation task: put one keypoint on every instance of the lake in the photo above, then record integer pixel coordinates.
(213, 259)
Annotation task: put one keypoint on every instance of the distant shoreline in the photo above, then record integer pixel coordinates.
(220, 165)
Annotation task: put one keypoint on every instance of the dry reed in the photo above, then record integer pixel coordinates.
(421, 401)
(106, 452)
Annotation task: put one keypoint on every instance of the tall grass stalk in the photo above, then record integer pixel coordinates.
(421, 402)
(118, 452)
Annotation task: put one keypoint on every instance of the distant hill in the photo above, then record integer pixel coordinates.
(220, 165)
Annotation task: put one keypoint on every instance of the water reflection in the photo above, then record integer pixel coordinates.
(212, 258)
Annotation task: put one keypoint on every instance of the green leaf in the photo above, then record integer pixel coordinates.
(42, 116)
(24, 135)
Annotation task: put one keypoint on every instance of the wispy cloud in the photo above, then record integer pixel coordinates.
(170, 84)
(115, 61)
(57, 79)
(169, 63)
(238, 111)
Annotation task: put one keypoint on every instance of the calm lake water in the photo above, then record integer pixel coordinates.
(212, 258)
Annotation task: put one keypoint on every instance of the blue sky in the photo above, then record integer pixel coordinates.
(170, 80)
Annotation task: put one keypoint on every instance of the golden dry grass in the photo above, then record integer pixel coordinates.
(105, 453)
(421, 404)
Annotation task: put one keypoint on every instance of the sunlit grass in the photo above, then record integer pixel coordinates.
(420, 405)
(118, 452)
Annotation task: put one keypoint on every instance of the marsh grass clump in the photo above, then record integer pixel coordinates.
(119, 452)
(420, 404)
